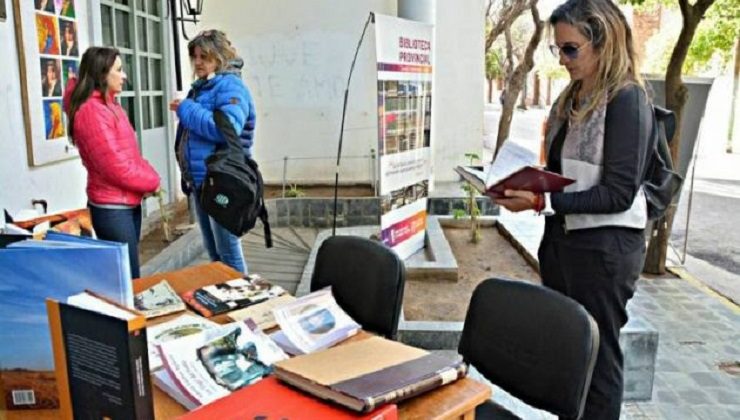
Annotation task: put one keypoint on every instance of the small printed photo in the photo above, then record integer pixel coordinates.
(65, 8)
(45, 5)
(47, 32)
(69, 70)
(51, 80)
(317, 322)
(231, 363)
(53, 119)
(68, 36)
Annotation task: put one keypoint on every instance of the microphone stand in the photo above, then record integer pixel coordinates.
(370, 18)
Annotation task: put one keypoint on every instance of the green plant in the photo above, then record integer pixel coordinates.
(458, 214)
(295, 192)
(471, 204)
(165, 216)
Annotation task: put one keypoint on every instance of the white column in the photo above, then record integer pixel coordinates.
(418, 10)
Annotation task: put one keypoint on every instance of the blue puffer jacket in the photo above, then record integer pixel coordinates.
(198, 136)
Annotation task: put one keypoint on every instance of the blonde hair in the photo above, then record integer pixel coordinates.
(214, 44)
(604, 25)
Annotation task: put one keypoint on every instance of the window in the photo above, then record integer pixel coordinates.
(135, 28)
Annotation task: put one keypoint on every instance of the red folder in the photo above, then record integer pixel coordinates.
(271, 399)
(528, 178)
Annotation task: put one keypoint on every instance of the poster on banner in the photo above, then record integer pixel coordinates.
(404, 54)
(51, 38)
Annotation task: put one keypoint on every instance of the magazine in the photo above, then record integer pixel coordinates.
(158, 300)
(202, 368)
(312, 322)
(230, 295)
(261, 313)
(179, 327)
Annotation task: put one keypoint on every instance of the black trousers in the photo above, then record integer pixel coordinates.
(598, 269)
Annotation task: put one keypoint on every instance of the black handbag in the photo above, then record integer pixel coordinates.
(232, 191)
(661, 183)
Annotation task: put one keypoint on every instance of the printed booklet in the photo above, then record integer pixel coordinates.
(231, 295)
(179, 327)
(204, 367)
(312, 322)
(158, 300)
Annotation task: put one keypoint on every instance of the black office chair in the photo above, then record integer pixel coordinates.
(367, 280)
(534, 343)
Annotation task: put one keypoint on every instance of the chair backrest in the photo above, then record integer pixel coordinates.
(535, 343)
(367, 280)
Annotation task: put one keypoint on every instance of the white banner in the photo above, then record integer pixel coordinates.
(404, 53)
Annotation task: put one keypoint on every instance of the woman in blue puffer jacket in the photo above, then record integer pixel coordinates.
(218, 87)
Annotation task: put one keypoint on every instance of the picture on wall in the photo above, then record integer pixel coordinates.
(51, 36)
(53, 119)
(68, 32)
(45, 5)
(69, 70)
(47, 30)
(65, 8)
(51, 78)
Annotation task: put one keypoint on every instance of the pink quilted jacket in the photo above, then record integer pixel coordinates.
(116, 171)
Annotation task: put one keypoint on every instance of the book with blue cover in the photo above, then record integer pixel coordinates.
(31, 271)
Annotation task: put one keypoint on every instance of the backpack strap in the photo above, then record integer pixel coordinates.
(265, 226)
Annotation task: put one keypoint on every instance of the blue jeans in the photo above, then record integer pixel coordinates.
(120, 225)
(220, 244)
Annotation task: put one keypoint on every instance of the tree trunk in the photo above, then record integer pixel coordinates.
(507, 14)
(733, 105)
(490, 90)
(536, 93)
(548, 94)
(523, 96)
(517, 77)
(676, 95)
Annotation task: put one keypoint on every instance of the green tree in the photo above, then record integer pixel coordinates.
(676, 96)
(494, 69)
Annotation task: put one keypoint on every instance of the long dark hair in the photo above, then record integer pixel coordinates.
(92, 75)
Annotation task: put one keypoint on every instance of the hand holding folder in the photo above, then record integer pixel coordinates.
(511, 171)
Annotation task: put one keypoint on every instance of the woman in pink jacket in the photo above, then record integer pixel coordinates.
(118, 177)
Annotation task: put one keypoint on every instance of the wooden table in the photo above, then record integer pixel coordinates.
(454, 401)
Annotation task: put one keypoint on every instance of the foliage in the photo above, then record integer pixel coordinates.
(295, 192)
(165, 216)
(711, 47)
(459, 214)
(494, 68)
(471, 205)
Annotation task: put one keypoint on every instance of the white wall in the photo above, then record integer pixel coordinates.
(297, 57)
(457, 104)
(61, 184)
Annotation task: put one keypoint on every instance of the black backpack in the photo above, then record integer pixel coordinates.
(232, 191)
(661, 183)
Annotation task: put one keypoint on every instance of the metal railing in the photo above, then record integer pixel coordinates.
(371, 158)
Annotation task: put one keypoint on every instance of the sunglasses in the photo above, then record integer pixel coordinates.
(570, 51)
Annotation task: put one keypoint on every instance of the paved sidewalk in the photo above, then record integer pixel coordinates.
(697, 374)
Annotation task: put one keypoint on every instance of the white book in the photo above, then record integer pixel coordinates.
(210, 365)
(179, 327)
(313, 322)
